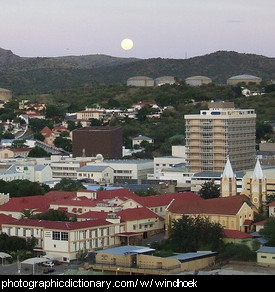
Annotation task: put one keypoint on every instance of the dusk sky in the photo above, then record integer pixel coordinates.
(158, 28)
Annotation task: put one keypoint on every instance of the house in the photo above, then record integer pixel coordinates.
(266, 255)
(136, 141)
(238, 237)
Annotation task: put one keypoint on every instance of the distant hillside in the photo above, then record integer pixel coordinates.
(41, 75)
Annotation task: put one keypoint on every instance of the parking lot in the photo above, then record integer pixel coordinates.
(16, 269)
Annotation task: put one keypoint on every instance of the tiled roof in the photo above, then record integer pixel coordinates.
(236, 234)
(5, 219)
(93, 215)
(38, 203)
(137, 214)
(166, 199)
(224, 205)
(122, 193)
(59, 225)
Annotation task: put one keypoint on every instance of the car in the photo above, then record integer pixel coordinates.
(48, 270)
(57, 262)
(48, 264)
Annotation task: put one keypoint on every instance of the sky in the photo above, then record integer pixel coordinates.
(177, 29)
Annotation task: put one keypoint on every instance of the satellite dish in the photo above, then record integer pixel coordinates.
(99, 157)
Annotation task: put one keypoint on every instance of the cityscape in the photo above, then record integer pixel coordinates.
(125, 209)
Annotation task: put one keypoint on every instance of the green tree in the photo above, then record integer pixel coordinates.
(64, 143)
(192, 233)
(20, 143)
(69, 185)
(38, 152)
(209, 190)
(52, 215)
(269, 231)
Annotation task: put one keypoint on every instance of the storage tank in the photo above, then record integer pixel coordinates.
(5, 94)
(197, 80)
(245, 78)
(140, 81)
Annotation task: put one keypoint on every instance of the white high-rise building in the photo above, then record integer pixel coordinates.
(217, 132)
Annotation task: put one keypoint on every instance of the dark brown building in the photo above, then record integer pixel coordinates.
(90, 141)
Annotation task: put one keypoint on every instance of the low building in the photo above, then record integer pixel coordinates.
(266, 255)
(133, 259)
(96, 174)
(66, 240)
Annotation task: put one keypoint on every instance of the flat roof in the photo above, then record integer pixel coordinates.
(127, 249)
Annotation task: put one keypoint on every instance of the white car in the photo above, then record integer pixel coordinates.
(48, 264)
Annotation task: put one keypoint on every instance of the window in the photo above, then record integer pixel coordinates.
(64, 236)
(56, 235)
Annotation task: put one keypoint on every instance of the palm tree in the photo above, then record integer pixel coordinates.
(27, 213)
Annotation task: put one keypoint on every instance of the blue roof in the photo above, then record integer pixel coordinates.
(267, 249)
(127, 249)
(192, 255)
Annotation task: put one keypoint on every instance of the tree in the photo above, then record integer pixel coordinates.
(69, 185)
(269, 231)
(20, 143)
(52, 215)
(209, 190)
(189, 234)
(38, 152)
(64, 143)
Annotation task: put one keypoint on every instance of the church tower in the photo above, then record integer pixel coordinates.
(228, 181)
(257, 185)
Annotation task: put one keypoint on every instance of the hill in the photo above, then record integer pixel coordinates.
(42, 75)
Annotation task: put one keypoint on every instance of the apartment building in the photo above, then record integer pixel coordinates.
(217, 132)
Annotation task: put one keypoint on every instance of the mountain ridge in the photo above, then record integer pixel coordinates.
(42, 74)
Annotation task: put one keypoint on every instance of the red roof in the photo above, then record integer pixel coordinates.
(59, 225)
(38, 203)
(166, 199)
(93, 215)
(5, 219)
(46, 131)
(123, 194)
(236, 234)
(260, 223)
(272, 204)
(225, 205)
(137, 214)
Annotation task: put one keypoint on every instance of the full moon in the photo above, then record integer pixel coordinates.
(127, 44)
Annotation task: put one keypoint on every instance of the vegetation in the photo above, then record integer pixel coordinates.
(194, 233)
(269, 231)
(209, 190)
(23, 188)
(68, 185)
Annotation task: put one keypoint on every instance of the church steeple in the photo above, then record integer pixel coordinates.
(257, 185)
(228, 180)
(228, 170)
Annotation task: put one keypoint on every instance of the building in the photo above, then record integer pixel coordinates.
(65, 240)
(5, 94)
(266, 255)
(143, 81)
(198, 80)
(217, 132)
(233, 213)
(127, 170)
(90, 141)
(245, 78)
(136, 141)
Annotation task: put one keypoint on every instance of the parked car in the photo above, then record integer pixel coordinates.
(48, 270)
(57, 262)
(48, 264)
